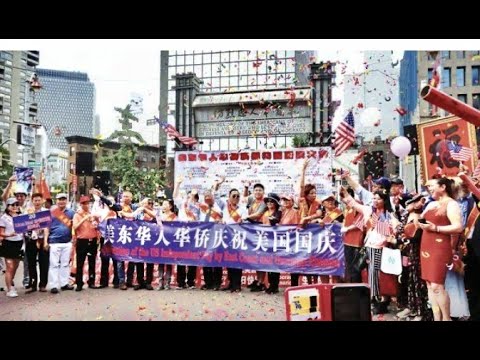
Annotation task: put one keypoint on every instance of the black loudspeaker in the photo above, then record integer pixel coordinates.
(102, 180)
(351, 302)
(410, 132)
(84, 163)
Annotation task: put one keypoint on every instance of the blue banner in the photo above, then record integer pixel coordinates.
(313, 250)
(29, 222)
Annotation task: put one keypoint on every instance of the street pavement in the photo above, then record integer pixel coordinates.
(167, 305)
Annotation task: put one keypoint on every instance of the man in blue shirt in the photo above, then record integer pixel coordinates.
(60, 243)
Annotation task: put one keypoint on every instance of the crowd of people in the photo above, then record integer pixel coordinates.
(436, 231)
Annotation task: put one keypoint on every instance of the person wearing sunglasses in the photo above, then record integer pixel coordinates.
(145, 212)
(211, 212)
(189, 210)
(10, 244)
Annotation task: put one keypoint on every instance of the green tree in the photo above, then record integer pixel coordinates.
(6, 167)
(125, 172)
(125, 135)
(60, 188)
(299, 141)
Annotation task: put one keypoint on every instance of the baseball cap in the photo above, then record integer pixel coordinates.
(272, 197)
(287, 197)
(417, 198)
(62, 195)
(328, 197)
(396, 181)
(83, 199)
(11, 201)
(384, 182)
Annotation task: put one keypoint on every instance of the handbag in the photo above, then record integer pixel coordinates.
(391, 261)
(360, 259)
(457, 265)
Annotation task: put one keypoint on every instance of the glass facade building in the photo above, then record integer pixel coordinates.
(408, 83)
(66, 105)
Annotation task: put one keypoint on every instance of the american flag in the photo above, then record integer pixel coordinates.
(173, 133)
(344, 134)
(359, 221)
(459, 152)
(382, 226)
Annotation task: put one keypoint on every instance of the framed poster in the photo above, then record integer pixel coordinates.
(438, 139)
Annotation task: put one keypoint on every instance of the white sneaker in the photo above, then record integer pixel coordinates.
(12, 293)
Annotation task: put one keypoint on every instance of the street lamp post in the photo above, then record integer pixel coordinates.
(6, 141)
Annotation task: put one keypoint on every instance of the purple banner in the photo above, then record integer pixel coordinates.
(24, 179)
(313, 250)
(29, 222)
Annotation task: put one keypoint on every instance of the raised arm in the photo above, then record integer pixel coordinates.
(9, 187)
(245, 188)
(301, 184)
(350, 201)
(217, 183)
(178, 182)
(104, 199)
(351, 182)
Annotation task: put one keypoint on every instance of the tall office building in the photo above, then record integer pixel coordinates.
(232, 70)
(408, 87)
(17, 99)
(66, 105)
(376, 86)
(459, 77)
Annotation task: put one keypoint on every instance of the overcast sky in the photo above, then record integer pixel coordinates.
(122, 68)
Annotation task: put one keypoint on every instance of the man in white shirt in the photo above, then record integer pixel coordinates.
(233, 213)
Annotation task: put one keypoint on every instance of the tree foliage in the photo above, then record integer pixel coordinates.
(125, 135)
(126, 173)
(6, 167)
(300, 141)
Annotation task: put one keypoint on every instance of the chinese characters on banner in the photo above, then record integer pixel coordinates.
(278, 170)
(29, 222)
(313, 250)
(435, 145)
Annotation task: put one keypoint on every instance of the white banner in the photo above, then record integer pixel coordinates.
(277, 169)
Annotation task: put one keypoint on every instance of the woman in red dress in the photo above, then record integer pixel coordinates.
(309, 206)
(443, 219)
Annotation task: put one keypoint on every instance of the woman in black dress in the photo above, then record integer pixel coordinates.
(417, 292)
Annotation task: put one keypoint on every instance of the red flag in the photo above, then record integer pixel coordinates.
(42, 187)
